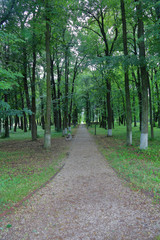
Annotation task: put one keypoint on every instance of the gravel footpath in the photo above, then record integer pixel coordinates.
(86, 201)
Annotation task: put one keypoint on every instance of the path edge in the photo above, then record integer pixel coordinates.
(11, 209)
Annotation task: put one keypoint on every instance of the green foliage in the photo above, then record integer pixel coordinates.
(5, 110)
(8, 79)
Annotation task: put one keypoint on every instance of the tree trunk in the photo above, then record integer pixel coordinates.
(42, 103)
(134, 110)
(6, 122)
(151, 112)
(127, 91)
(109, 108)
(87, 110)
(144, 77)
(47, 135)
(25, 82)
(54, 96)
(33, 88)
(139, 91)
(10, 122)
(72, 92)
(138, 80)
(24, 114)
(66, 89)
(158, 101)
(59, 73)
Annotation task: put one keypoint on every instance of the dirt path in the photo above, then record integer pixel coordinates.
(86, 201)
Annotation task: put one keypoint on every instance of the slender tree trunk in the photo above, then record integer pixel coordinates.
(47, 135)
(25, 82)
(33, 88)
(109, 108)
(127, 91)
(138, 80)
(59, 72)
(16, 120)
(24, 114)
(54, 96)
(72, 92)
(139, 91)
(87, 110)
(6, 122)
(134, 110)
(150, 107)
(42, 104)
(66, 90)
(59, 105)
(104, 114)
(158, 101)
(10, 122)
(144, 78)
(153, 99)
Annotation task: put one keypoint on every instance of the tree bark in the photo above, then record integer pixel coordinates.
(25, 82)
(109, 108)
(33, 88)
(138, 79)
(151, 110)
(59, 123)
(24, 114)
(144, 77)
(6, 122)
(127, 91)
(158, 100)
(72, 92)
(66, 89)
(42, 104)
(54, 95)
(47, 135)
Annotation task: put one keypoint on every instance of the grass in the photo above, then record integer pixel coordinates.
(25, 165)
(20, 135)
(141, 168)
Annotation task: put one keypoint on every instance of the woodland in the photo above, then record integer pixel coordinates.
(72, 61)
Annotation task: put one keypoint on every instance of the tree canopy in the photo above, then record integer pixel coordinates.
(60, 59)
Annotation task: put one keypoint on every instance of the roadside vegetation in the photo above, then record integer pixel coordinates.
(141, 168)
(25, 165)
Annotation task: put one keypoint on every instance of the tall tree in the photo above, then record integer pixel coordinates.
(47, 135)
(127, 91)
(144, 76)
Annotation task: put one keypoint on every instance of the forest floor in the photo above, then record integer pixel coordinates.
(86, 200)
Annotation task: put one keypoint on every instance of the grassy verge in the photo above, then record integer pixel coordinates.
(140, 168)
(25, 165)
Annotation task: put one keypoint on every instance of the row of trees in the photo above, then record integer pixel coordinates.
(60, 58)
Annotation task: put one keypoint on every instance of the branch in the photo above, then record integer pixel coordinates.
(93, 31)
(115, 38)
